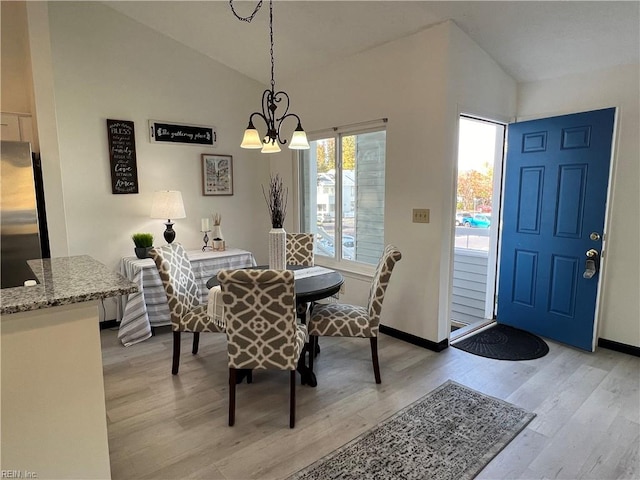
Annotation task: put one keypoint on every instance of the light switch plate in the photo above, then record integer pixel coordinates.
(420, 215)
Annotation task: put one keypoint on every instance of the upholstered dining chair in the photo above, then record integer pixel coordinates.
(342, 320)
(262, 333)
(183, 295)
(300, 249)
(300, 252)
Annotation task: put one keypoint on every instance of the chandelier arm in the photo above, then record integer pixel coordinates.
(264, 119)
(278, 98)
(281, 121)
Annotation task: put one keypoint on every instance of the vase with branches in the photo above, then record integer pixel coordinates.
(276, 199)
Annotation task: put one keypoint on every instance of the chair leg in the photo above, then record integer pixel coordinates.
(292, 399)
(374, 357)
(313, 341)
(196, 342)
(232, 396)
(176, 353)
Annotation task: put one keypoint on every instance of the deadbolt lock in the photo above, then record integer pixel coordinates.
(595, 236)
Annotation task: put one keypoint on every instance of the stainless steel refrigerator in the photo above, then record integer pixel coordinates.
(23, 220)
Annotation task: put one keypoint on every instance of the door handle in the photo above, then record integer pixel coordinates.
(592, 264)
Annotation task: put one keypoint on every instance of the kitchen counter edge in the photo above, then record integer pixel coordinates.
(65, 281)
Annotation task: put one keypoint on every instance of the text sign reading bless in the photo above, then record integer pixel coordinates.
(163, 132)
(122, 156)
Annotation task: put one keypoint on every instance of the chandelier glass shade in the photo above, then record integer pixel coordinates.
(272, 100)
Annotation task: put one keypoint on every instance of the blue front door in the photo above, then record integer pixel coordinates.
(555, 193)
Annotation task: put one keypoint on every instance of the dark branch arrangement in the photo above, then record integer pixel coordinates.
(276, 201)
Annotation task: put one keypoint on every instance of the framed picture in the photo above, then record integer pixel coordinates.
(217, 174)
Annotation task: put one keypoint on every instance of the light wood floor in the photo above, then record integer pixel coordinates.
(171, 427)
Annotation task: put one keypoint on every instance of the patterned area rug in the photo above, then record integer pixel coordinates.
(450, 433)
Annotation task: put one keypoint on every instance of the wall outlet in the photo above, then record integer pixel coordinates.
(420, 215)
(342, 288)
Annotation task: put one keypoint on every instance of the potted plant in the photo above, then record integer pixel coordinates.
(143, 243)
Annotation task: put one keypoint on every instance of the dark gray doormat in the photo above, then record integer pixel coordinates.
(502, 342)
(451, 433)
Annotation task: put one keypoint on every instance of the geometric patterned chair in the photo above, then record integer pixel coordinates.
(262, 333)
(300, 252)
(183, 295)
(300, 249)
(341, 320)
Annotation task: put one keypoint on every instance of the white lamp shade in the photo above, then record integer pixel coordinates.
(270, 147)
(251, 139)
(167, 204)
(299, 141)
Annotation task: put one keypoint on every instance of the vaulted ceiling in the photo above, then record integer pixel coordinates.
(530, 40)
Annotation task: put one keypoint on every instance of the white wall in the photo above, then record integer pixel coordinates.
(615, 87)
(106, 65)
(410, 81)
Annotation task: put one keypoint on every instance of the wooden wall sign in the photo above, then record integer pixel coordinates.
(165, 132)
(122, 156)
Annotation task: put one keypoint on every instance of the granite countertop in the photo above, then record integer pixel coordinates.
(63, 281)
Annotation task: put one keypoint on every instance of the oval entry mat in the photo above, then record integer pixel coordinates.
(502, 342)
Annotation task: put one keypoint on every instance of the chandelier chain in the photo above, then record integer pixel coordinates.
(273, 81)
(270, 103)
(250, 17)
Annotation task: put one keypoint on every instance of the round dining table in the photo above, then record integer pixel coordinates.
(308, 289)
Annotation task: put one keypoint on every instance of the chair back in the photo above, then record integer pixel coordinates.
(178, 279)
(300, 249)
(390, 257)
(260, 312)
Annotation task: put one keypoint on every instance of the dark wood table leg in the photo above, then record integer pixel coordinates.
(307, 377)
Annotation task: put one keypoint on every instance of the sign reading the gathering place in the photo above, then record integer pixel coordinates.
(122, 156)
(164, 132)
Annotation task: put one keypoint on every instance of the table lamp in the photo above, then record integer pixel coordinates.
(168, 204)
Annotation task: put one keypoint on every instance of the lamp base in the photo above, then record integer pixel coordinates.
(169, 233)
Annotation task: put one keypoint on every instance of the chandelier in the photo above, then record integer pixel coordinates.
(271, 100)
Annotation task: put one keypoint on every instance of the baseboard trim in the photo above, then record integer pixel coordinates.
(419, 341)
(109, 324)
(619, 347)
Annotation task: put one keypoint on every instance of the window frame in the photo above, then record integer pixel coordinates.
(337, 134)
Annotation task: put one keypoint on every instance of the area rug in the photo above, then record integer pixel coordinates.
(503, 342)
(449, 434)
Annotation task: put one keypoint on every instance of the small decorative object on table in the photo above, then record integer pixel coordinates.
(218, 239)
(143, 243)
(277, 205)
(205, 228)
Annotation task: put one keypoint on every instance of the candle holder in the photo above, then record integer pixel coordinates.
(205, 239)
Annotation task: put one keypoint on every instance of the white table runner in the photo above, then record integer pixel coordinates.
(311, 272)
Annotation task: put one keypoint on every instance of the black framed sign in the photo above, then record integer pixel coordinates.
(166, 132)
(122, 156)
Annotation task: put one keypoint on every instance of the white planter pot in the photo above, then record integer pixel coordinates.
(277, 249)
